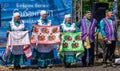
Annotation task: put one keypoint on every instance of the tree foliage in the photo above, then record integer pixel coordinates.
(87, 4)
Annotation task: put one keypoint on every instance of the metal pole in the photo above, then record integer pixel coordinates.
(81, 8)
(74, 11)
(77, 10)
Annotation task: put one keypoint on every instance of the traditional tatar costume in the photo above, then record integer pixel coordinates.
(109, 31)
(69, 57)
(43, 54)
(16, 54)
(88, 30)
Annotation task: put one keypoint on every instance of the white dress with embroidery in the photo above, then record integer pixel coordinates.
(68, 29)
(17, 50)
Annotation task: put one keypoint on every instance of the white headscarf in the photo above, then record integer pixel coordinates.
(15, 15)
(66, 16)
(72, 28)
(43, 12)
(13, 27)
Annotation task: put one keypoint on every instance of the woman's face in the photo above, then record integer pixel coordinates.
(44, 16)
(68, 20)
(17, 18)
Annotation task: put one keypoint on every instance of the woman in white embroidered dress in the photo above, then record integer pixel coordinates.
(43, 55)
(16, 54)
(67, 26)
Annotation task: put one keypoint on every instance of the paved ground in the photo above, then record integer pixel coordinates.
(61, 68)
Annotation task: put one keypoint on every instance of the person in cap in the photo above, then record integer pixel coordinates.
(109, 33)
(88, 27)
(43, 55)
(68, 26)
(16, 54)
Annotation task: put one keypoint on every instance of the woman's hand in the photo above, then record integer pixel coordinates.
(8, 32)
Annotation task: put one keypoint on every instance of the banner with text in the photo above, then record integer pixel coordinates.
(30, 10)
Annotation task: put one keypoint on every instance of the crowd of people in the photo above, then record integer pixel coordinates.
(43, 54)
